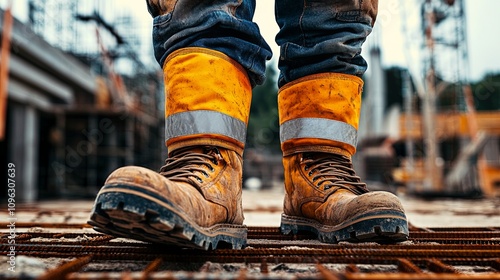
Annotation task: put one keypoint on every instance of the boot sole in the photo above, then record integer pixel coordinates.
(383, 227)
(132, 212)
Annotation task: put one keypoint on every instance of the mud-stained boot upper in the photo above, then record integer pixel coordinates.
(203, 184)
(324, 187)
(215, 172)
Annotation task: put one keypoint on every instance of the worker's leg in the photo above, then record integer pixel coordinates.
(224, 25)
(322, 36)
(319, 107)
(211, 54)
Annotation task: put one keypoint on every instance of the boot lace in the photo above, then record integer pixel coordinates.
(333, 172)
(190, 166)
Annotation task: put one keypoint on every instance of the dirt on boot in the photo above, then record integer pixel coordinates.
(324, 196)
(194, 201)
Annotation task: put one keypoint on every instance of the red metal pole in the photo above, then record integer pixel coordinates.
(4, 67)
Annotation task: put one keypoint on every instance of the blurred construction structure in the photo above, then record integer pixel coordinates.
(80, 102)
(438, 145)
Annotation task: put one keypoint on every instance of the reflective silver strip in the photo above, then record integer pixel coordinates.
(319, 128)
(204, 122)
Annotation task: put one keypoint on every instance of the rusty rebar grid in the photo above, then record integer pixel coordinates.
(430, 253)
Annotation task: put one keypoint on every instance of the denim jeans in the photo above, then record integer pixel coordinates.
(315, 36)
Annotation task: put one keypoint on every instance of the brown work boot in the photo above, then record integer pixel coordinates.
(195, 201)
(319, 116)
(324, 196)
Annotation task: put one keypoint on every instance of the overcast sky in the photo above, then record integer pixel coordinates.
(483, 38)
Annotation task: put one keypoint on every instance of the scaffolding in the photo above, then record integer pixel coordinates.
(113, 122)
(54, 20)
(453, 143)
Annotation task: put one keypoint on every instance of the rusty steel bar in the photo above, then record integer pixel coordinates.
(496, 264)
(328, 274)
(60, 273)
(407, 266)
(419, 276)
(428, 251)
(436, 265)
(152, 267)
(240, 255)
(245, 275)
(464, 242)
(258, 232)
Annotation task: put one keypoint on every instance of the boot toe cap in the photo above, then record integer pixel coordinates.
(345, 206)
(375, 202)
(135, 176)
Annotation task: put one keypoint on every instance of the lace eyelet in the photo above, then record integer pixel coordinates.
(199, 179)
